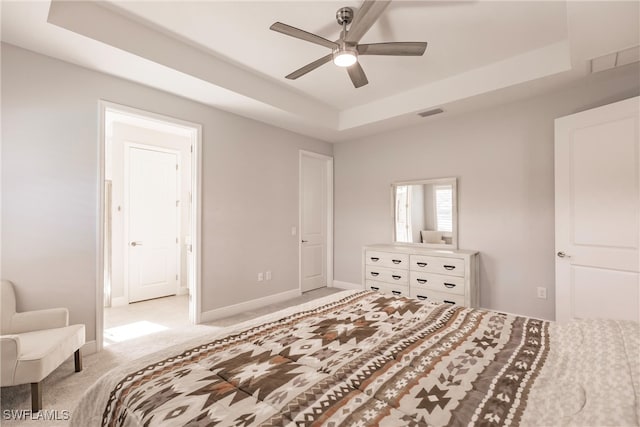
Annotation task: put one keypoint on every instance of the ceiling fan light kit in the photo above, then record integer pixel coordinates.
(345, 57)
(346, 49)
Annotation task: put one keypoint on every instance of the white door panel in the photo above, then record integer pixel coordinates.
(313, 261)
(313, 178)
(598, 213)
(313, 227)
(152, 223)
(596, 290)
(605, 193)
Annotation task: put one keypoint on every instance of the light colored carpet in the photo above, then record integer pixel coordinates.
(63, 388)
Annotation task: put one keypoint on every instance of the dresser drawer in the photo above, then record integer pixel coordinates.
(433, 296)
(441, 276)
(439, 265)
(387, 288)
(387, 275)
(387, 259)
(437, 282)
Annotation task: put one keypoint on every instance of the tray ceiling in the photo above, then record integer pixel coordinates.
(223, 53)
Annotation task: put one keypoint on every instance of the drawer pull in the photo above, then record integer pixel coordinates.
(421, 281)
(421, 297)
(374, 288)
(421, 264)
(449, 285)
(449, 267)
(448, 302)
(375, 259)
(396, 261)
(396, 277)
(374, 274)
(396, 292)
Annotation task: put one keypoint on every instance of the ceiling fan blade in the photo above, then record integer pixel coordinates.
(309, 67)
(393, 48)
(302, 35)
(366, 16)
(358, 77)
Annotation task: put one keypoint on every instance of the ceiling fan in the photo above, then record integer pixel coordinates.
(346, 49)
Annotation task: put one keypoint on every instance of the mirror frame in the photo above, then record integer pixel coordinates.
(454, 235)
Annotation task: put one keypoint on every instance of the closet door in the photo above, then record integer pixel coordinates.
(597, 193)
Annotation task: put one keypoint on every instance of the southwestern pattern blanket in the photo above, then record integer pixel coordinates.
(359, 359)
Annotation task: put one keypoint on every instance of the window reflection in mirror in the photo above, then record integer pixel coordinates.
(403, 213)
(443, 199)
(424, 212)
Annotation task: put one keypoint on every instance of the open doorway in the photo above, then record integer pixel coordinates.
(150, 224)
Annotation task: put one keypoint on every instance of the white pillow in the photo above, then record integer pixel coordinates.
(430, 236)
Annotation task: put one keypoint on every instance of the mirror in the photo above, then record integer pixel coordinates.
(425, 212)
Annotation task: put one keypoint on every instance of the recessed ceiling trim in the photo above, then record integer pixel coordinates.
(535, 64)
(92, 20)
(251, 90)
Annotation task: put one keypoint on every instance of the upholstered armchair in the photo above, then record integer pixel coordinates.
(34, 343)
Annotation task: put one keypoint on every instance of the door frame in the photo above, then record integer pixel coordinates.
(126, 211)
(329, 215)
(195, 285)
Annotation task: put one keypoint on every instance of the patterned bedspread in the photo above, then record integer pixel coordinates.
(368, 359)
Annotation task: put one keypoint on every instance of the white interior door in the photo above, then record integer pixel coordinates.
(313, 222)
(597, 213)
(152, 223)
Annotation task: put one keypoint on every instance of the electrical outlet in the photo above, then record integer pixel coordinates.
(268, 275)
(260, 277)
(542, 292)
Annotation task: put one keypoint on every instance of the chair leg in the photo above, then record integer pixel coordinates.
(36, 397)
(77, 357)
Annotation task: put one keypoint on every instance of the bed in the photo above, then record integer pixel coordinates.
(368, 359)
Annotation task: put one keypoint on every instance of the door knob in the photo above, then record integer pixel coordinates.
(134, 244)
(563, 255)
(304, 241)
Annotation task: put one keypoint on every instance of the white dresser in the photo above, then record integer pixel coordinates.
(448, 276)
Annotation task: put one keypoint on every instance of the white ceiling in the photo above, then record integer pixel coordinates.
(223, 53)
(461, 37)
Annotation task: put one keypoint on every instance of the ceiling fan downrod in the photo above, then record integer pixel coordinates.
(345, 55)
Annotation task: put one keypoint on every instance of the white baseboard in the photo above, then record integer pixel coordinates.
(89, 347)
(347, 285)
(515, 314)
(119, 301)
(182, 290)
(242, 307)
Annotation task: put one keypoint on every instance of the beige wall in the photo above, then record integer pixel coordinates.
(50, 184)
(503, 159)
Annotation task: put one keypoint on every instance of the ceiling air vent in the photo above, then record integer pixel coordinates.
(431, 112)
(615, 59)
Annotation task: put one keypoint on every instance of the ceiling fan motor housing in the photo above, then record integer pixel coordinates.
(344, 15)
